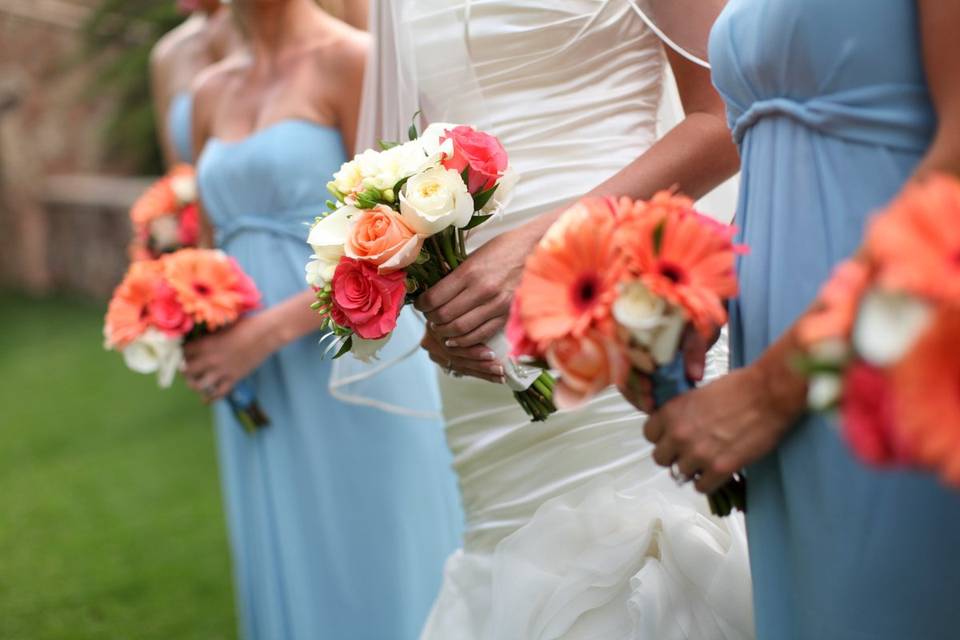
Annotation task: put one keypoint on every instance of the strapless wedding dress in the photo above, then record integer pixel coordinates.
(572, 531)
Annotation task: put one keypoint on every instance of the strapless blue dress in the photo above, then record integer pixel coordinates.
(340, 516)
(828, 102)
(179, 126)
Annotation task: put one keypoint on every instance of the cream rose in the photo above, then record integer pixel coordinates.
(887, 325)
(367, 350)
(434, 200)
(155, 352)
(651, 322)
(184, 188)
(327, 238)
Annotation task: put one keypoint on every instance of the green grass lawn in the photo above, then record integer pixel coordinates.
(110, 518)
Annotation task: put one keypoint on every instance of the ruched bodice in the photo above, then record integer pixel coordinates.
(828, 102)
(865, 85)
(571, 88)
(340, 515)
(275, 180)
(179, 126)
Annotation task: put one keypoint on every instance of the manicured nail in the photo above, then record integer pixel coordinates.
(503, 380)
(489, 355)
(450, 343)
(497, 370)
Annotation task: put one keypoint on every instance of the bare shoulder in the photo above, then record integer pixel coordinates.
(211, 83)
(173, 43)
(344, 52)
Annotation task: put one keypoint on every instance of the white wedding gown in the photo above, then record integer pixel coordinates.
(572, 531)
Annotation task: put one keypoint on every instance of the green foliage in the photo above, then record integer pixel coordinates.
(110, 517)
(118, 38)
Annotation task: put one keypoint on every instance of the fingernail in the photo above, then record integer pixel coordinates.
(489, 355)
(497, 370)
(503, 380)
(450, 343)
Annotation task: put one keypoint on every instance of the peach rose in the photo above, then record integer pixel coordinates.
(587, 365)
(380, 236)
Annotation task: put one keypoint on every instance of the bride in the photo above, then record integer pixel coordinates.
(573, 532)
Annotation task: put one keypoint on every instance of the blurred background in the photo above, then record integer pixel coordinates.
(110, 517)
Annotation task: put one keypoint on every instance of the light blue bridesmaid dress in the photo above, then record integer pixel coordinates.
(340, 516)
(828, 103)
(179, 126)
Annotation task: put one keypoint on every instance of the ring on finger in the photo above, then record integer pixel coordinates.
(678, 476)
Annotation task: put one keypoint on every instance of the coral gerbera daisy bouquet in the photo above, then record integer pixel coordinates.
(166, 217)
(163, 303)
(398, 225)
(610, 291)
(883, 344)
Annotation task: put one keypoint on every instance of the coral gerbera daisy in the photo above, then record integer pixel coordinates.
(916, 242)
(839, 300)
(210, 286)
(927, 387)
(682, 256)
(128, 315)
(569, 283)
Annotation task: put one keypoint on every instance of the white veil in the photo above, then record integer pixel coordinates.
(392, 96)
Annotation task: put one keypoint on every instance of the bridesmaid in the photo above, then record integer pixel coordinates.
(340, 516)
(203, 39)
(835, 106)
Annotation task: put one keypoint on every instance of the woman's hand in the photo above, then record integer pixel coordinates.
(471, 305)
(477, 361)
(216, 363)
(714, 431)
(638, 389)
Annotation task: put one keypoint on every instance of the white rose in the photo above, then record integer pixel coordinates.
(429, 140)
(349, 178)
(503, 195)
(165, 233)
(397, 163)
(185, 188)
(434, 200)
(367, 350)
(327, 238)
(824, 391)
(155, 352)
(887, 326)
(653, 323)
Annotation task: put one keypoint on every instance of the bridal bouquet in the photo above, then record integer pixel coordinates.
(161, 304)
(397, 226)
(610, 291)
(166, 217)
(883, 348)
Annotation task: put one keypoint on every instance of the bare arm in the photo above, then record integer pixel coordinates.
(738, 419)
(160, 93)
(350, 69)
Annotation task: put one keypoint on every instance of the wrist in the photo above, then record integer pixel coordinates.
(784, 387)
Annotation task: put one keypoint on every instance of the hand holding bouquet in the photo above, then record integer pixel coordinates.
(161, 304)
(166, 218)
(610, 290)
(397, 227)
(884, 344)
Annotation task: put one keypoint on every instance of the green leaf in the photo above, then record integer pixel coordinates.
(658, 237)
(385, 145)
(344, 348)
(465, 175)
(412, 131)
(400, 185)
(476, 221)
(483, 198)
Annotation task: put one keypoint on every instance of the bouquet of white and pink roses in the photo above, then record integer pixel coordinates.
(398, 225)
(166, 217)
(163, 303)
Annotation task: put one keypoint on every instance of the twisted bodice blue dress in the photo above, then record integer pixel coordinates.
(340, 516)
(179, 126)
(829, 105)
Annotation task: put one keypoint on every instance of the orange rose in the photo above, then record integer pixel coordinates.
(587, 365)
(380, 236)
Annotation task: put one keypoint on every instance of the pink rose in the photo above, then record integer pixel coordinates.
(166, 312)
(587, 366)
(481, 153)
(366, 301)
(188, 229)
(867, 412)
